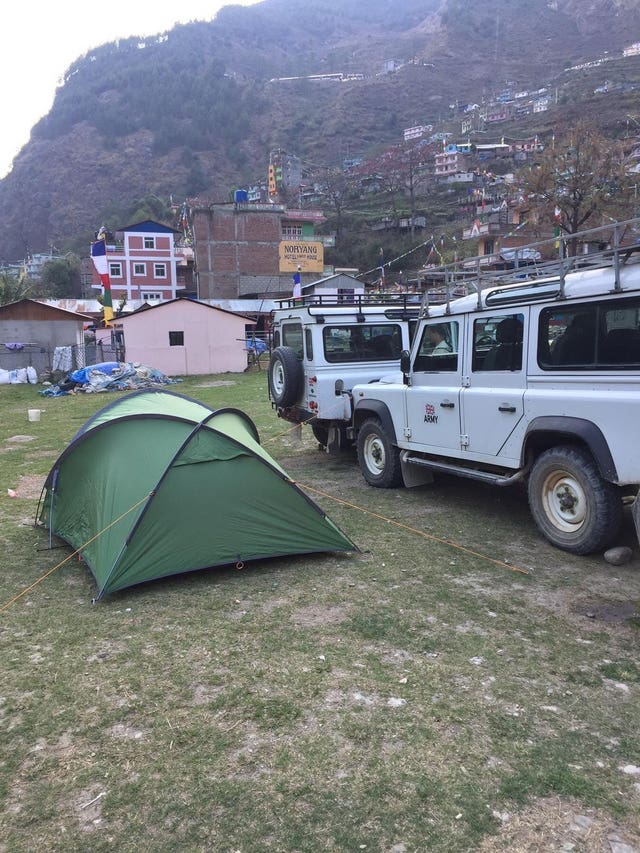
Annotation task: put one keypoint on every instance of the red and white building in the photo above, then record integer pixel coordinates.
(144, 263)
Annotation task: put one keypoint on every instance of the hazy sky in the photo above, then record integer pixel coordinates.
(40, 39)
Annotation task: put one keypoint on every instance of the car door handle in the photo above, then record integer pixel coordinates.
(447, 405)
(506, 408)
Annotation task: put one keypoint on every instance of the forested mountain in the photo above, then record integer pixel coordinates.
(195, 111)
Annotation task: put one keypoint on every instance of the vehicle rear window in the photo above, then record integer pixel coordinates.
(590, 336)
(292, 337)
(363, 342)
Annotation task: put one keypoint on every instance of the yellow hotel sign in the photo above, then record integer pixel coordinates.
(301, 253)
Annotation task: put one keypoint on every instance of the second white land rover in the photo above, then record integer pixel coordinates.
(322, 348)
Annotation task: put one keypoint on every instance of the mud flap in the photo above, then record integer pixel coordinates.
(335, 440)
(414, 475)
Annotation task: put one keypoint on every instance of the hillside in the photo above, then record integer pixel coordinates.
(194, 112)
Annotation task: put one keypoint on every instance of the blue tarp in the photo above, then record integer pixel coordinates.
(84, 374)
(109, 376)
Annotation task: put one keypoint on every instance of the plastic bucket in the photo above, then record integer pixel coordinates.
(34, 414)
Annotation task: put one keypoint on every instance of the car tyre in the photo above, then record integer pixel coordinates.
(574, 508)
(285, 376)
(378, 457)
(320, 433)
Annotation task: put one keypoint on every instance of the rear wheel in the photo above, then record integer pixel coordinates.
(378, 457)
(572, 505)
(321, 434)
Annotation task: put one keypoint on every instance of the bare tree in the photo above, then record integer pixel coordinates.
(579, 179)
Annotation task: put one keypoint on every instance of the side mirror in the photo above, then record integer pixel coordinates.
(405, 360)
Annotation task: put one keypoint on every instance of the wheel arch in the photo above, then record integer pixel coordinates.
(374, 408)
(551, 430)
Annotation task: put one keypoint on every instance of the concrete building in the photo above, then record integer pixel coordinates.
(32, 333)
(145, 263)
(182, 337)
(245, 250)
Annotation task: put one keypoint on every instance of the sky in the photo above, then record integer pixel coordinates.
(39, 40)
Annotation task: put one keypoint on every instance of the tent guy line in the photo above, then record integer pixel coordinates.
(77, 551)
(397, 523)
(415, 530)
(348, 504)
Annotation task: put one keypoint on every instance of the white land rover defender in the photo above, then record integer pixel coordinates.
(536, 380)
(322, 347)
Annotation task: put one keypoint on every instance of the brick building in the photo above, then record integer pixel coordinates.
(253, 250)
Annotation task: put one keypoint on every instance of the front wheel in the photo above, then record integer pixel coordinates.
(378, 458)
(572, 505)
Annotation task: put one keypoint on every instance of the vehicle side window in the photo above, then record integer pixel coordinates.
(438, 350)
(591, 336)
(292, 337)
(308, 342)
(362, 342)
(497, 343)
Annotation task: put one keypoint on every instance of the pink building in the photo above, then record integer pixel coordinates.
(182, 337)
(145, 263)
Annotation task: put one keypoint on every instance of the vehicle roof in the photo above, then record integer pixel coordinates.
(337, 312)
(578, 285)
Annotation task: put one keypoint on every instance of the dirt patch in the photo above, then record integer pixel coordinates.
(219, 384)
(607, 611)
(561, 825)
(592, 612)
(316, 616)
(125, 732)
(30, 487)
(87, 807)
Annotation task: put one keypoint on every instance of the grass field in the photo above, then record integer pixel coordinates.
(456, 685)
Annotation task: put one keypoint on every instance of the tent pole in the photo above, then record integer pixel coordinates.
(53, 492)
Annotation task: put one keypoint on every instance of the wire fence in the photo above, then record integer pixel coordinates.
(61, 359)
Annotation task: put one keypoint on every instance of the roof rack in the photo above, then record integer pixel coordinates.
(355, 302)
(618, 245)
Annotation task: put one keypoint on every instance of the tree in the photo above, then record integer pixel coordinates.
(13, 288)
(61, 278)
(578, 180)
(404, 170)
(337, 190)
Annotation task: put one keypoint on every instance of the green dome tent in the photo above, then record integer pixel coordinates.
(156, 484)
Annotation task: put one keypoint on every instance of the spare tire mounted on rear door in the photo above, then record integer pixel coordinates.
(285, 376)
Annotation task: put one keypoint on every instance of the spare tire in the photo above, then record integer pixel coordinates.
(285, 376)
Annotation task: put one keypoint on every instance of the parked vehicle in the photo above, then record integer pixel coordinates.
(540, 383)
(323, 347)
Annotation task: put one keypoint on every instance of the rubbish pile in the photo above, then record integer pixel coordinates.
(109, 376)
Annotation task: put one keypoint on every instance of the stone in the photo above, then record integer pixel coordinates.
(618, 556)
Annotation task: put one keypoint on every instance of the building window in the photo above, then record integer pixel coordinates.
(115, 270)
(151, 297)
(159, 270)
(176, 339)
(139, 269)
(292, 232)
(149, 242)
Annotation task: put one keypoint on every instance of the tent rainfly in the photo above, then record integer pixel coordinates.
(157, 484)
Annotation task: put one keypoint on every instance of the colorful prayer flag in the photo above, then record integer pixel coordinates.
(99, 258)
